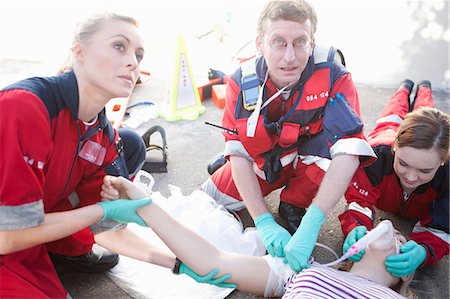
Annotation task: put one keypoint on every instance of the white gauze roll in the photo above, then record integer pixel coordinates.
(279, 274)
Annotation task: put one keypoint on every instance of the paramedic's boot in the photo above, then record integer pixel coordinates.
(215, 163)
(96, 261)
(292, 215)
(421, 84)
(424, 83)
(408, 84)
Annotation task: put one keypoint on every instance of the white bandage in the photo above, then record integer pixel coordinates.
(279, 274)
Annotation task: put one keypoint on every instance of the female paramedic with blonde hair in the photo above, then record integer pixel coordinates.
(410, 178)
(263, 276)
(57, 145)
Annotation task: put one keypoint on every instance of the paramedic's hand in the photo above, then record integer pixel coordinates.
(411, 256)
(274, 236)
(124, 210)
(300, 247)
(356, 234)
(208, 278)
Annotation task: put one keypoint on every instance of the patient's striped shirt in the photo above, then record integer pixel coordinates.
(324, 282)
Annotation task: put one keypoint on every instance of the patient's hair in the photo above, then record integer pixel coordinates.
(403, 287)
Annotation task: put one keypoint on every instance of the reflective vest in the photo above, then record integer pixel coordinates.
(299, 130)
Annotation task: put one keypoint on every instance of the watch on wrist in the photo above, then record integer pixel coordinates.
(176, 268)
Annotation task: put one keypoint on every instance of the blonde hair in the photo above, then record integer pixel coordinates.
(425, 128)
(85, 29)
(403, 287)
(290, 10)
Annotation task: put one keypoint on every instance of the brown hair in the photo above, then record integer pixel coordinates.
(291, 10)
(86, 28)
(425, 128)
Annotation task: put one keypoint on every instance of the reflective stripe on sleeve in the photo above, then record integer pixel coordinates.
(352, 146)
(322, 163)
(363, 210)
(229, 202)
(21, 216)
(74, 199)
(438, 233)
(236, 148)
(393, 118)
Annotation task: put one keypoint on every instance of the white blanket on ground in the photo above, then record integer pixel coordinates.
(201, 213)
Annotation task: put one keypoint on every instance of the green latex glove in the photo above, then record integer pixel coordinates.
(301, 245)
(411, 256)
(208, 278)
(124, 210)
(352, 237)
(274, 236)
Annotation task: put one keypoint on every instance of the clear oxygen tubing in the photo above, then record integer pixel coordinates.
(380, 237)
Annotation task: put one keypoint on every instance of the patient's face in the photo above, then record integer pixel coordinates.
(393, 248)
(377, 256)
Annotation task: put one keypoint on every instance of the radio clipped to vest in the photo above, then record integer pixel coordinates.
(250, 85)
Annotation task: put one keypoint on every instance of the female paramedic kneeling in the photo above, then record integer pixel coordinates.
(57, 145)
(410, 178)
(268, 276)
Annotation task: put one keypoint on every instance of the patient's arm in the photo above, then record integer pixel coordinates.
(127, 243)
(250, 273)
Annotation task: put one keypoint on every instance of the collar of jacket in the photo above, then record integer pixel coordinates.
(69, 90)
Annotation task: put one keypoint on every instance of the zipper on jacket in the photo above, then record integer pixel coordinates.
(405, 199)
(79, 142)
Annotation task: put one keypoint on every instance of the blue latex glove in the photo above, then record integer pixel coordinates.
(411, 256)
(124, 210)
(301, 245)
(356, 234)
(208, 278)
(274, 236)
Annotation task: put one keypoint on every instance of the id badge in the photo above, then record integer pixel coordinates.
(93, 152)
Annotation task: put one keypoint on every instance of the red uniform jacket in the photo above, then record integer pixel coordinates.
(41, 165)
(378, 186)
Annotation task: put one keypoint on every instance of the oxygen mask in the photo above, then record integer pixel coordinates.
(386, 240)
(381, 237)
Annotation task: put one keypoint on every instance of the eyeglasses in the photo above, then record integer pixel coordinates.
(281, 44)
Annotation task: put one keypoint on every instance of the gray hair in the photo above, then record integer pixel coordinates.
(290, 10)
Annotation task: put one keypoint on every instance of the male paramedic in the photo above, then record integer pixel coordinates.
(292, 120)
